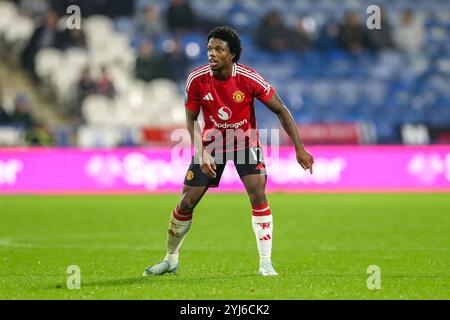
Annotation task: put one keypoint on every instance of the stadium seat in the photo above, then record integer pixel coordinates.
(8, 14)
(22, 31)
(48, 60)
(99, 30)
(98, 110)
(322, 85)
(64, 81)
(121, 78)
(76, 58)
(98, 24)
(134, 96)
(98, 136)
(163, 103)
(125, 25)
(126, 116)
(163, 88)
(10, 136)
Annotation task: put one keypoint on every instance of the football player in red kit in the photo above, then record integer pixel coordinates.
(225, 92)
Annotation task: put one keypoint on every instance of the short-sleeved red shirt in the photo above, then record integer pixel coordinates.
(227, 105)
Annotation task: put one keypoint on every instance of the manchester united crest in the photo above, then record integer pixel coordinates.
(189, 175)
(238, 96)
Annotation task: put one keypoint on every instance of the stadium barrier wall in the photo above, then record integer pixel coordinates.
(140, 170)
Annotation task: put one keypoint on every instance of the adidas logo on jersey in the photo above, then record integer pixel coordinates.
(208, 97)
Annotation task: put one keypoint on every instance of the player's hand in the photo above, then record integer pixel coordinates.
(208, 165)
(305, 159)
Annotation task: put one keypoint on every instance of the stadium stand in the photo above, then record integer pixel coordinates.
(393, 79)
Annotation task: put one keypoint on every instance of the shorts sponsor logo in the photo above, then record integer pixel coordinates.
(238, 96)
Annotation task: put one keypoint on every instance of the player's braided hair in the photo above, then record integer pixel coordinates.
(231, 37)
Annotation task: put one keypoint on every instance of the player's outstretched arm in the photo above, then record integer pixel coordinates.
(287, 121)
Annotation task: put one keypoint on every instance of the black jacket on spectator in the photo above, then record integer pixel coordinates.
(353, 36)
(36, 43)
(110, 8)
(299, 39)
(272, 34)
(180, 16)
(5, 119)
(22, 119)
(71, 39)
(149, 68)
(380, 38)
(176, 63)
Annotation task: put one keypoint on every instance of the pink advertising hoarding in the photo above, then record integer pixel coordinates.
(336, 169)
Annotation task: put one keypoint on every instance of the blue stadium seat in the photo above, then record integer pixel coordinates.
(327, 83)
(125, 25)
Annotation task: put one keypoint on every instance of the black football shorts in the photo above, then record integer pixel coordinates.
(247, 161)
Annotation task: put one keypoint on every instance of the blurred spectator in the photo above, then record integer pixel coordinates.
(176, 61)
(272, 32)
(117, 8)
(150, 22)
(71, 38)
(180, 17)
(204, 24)
(352, 34)
(409, 35)
(38, 135)
(149, 65)
(86, 87)
(88, 7)
(4, 116)
(105, 85)
(44, 36)
(380, 39)
(60, 6)
(35, 9)
(299, 39)
(328, 37)
(21, 116)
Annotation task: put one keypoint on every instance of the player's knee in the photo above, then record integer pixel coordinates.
(257, 197)
(186, 205)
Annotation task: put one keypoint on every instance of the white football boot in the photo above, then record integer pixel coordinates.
(266, 269)
(160, 268)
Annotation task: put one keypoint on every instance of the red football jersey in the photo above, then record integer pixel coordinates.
(227, 106)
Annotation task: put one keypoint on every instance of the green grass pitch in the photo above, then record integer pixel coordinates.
(323, 245)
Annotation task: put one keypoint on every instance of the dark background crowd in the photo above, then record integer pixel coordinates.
(272, 33)
(313, 44)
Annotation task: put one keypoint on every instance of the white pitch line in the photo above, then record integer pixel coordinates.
(6, 242)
